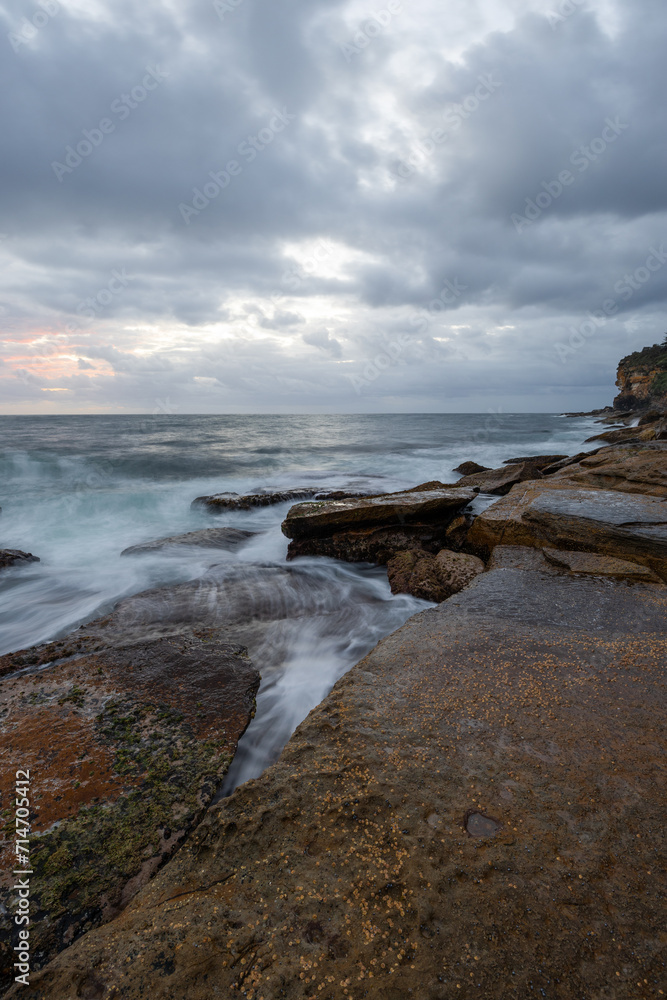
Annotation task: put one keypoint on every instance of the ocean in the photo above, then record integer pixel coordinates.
(77, 490)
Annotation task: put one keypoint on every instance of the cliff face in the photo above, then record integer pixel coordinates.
(642, 379)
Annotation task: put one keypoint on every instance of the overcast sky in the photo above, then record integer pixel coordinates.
(329, 205)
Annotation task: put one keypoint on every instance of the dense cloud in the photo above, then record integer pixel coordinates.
(249, 206)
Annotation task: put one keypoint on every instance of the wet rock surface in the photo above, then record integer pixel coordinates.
(15, 557)
(432, 577)
(127, 738)
(218, 503)
(310, 520)
(227, 539)
(474, 811)
(557, 515)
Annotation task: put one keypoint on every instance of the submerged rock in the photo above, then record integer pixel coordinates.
(478, 802)
(227, 539)
(218, 503)
(310, 520)
(432, 578)
(562, 516)
(14, 557)
(127, 737)
(640, 468)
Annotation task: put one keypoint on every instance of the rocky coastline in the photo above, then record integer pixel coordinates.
(474, 810)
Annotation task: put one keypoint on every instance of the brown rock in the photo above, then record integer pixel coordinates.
(523, 557)
(14, 557)
(558, 562)
(654, 431)
(539, 461)
(640, 468)
(470, 468)
(478, 802)
(126, 742)
(373, 545)
(309, 520)
(587, 564)
(432, 578)
(500, 481)
(563, 516)
(456, 533)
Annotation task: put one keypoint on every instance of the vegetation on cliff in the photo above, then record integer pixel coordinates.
(642, 377)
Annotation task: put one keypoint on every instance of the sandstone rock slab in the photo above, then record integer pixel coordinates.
(640, 468)
(474, 811)
(500, 481)
(558, 562)
(559, 515)
(310, 520)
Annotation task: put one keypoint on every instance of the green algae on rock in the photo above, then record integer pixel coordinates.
(127, 743)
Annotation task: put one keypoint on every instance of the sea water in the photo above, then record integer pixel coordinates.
(75, 491)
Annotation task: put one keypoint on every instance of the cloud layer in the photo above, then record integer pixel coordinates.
(241, 206)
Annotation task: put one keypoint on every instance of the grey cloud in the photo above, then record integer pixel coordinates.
(324, 340)
(332, 177)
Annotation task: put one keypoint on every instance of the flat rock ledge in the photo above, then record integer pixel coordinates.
(127, 738)
(629, 468)
(324, 519)
(226, 539)
(218, 503)
(475, 811)
(561, 515)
